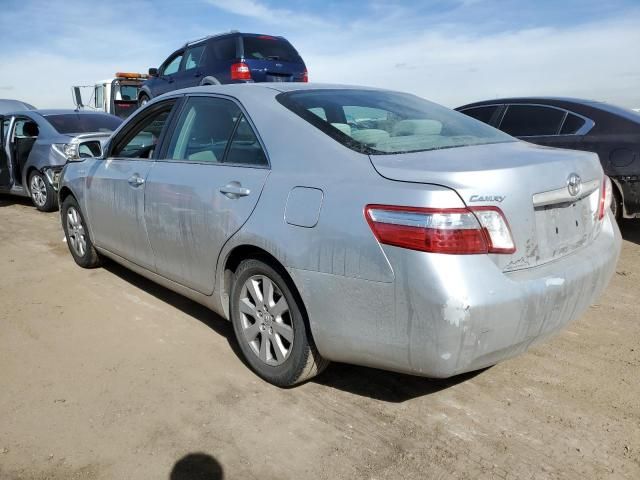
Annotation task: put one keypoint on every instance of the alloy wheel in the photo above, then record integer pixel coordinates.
(75, 232)
(266, 320)
(38, 190)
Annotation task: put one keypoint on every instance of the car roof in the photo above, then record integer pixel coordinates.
(9, 105)
(562, 102)
(269, 87)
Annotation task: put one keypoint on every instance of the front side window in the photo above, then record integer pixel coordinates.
(141, 141)
(173, 65)
(484, 114)
(380, 122)
(214, 130)
(531, 120)
(193, 57)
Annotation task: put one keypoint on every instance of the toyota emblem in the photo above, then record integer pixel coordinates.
(574, 184)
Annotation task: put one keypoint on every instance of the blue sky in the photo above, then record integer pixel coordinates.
(449, 51)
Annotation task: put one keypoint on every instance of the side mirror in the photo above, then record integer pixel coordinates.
(153, 72)
(77, 97)
(88, 149)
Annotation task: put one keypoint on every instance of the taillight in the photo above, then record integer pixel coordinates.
(240, 71)
(305, 76)
(449, 230)
(606, 197)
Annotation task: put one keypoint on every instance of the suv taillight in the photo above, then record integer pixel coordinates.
(305, 76)
(450, 230)
(240, 71)
(606, 197)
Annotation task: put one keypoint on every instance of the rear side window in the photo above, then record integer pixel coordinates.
(381, 122)
(572, 124)
(193, 57)
(214, 130)
(83, 123)
(531, 120)
(264, 47)
(222, 49)
(484, 114)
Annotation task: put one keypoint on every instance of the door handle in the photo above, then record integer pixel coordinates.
(135, 180)
(234, 190)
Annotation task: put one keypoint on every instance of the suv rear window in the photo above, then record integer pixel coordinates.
(264, 47)
(380, 122)
(83, 123)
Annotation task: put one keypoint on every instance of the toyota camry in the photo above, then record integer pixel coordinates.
(335, 223)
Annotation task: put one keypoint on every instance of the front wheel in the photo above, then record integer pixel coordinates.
(143, 100)
(270, 327)
(42, 193)
(77, 235)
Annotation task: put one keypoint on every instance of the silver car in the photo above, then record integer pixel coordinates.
(347, 224)
(35, 145)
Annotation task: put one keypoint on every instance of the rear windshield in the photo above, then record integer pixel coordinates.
(264, 47)
(380, 122)
(83, 123)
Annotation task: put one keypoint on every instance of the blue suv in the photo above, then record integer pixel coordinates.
(232, 57)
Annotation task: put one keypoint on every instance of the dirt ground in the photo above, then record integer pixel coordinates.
(104, 375)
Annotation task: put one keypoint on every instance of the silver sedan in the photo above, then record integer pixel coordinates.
(333, 223)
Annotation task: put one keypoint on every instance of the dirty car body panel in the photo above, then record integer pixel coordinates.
(311, 206)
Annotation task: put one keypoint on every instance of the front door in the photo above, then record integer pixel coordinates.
(116, 188)
(203, 189)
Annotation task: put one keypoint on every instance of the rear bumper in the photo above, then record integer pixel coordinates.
(448, 314)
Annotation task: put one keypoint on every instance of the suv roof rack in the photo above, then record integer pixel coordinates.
(197, 40)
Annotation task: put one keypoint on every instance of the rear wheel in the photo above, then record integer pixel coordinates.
(77, 235)
(42, 193)
(270, 327)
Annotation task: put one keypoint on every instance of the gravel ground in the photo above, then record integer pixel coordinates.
(104, 375)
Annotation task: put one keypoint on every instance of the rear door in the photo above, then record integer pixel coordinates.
(203, 189)
(116, 189)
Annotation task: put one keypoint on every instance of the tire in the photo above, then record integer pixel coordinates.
(143, 99)
(42, 194)
(77, 235)
(274, 336)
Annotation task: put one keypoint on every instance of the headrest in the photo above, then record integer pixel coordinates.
(417, 127)
(30, 129)
(343, 127)
(370, 136)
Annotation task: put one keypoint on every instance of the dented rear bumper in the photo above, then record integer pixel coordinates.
(448, 314)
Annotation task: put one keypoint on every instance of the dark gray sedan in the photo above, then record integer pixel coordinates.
(36, 144)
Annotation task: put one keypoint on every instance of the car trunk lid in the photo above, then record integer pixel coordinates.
(528, 183)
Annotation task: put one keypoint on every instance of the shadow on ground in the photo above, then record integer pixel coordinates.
(197, 466)
(630, 230)
(367, 382)
(8, 200)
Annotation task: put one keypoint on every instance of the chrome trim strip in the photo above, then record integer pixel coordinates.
(562, 195)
